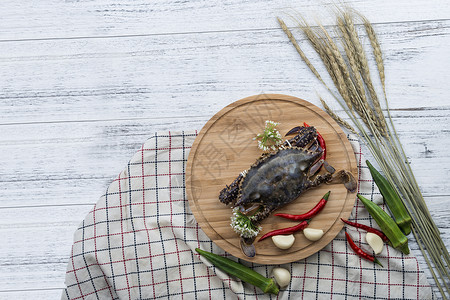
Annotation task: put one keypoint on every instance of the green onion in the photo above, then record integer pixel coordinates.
(267, 285)
(387, 225)
(393, 200)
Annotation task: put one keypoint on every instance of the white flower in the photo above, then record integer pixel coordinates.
(243, 225)
(270, 138)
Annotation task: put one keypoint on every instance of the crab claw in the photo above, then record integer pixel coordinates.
(294, 130)
(347, 179)
(350, 184)
(247, 247)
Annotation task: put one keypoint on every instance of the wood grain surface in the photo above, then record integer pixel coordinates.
(225, 147)
(85, 83)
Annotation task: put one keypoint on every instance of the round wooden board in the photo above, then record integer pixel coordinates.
(225, 147)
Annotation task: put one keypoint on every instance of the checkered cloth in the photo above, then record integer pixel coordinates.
(138, 243)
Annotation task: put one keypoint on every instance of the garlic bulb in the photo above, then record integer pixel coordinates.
(375, 242)
(281, 276)
(313, 234)
(283, 241)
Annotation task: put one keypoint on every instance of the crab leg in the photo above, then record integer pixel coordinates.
(347, 179)
(321, 141)
(247, 210)
(319, 179)
(294, 130)
(316, 167)
(313, 146)
(322, 144)
(247, 247)
(328, 167)
(302, 138)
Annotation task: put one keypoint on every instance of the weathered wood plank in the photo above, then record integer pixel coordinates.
(31, 294)
(33, 19)
(129, 77)
(47, 233)
(63, 161)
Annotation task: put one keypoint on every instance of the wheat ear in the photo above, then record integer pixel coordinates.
(376, 50)
(335, 117)
(357, 96)
(299, 50)
(360, 55)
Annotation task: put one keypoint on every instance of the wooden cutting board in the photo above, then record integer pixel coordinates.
(225, 147)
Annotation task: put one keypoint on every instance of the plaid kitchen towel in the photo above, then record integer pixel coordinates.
(138, 243)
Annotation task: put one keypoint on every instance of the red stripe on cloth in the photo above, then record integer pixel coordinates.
(359, 177)
(360, 266)
(304, 277)
(418, 278)
(388, 273)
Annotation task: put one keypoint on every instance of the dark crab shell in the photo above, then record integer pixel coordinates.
(278, 178)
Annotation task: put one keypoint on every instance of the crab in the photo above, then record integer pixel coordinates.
(279, 177)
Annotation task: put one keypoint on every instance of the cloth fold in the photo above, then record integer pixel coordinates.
(138, 243)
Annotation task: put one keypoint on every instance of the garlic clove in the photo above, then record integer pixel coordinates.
(283, 241)
(281, 276)
(313, 234)
(375, 242)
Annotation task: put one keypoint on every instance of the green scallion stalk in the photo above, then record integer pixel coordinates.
(392, 199)
(387, 225)
(267, 285)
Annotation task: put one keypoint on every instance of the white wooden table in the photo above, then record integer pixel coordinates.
(85, 83)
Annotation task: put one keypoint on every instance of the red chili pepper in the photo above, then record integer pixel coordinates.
(314, 211)
(367, 228)
(360, 252)
(321, 141)
(288, 230)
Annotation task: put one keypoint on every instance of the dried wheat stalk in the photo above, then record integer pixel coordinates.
(335, 117)
(356, 95)
(297, 47)
(350, 73)
(376, 51)
(360, 55)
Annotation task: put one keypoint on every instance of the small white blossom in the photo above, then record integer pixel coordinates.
(243, 224)
(270, 138)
